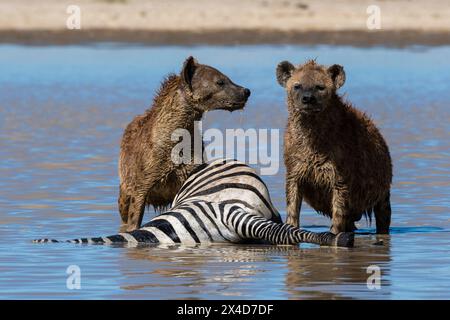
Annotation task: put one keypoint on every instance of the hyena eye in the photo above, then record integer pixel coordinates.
(297, 86)
(320, 88)
(220, 82)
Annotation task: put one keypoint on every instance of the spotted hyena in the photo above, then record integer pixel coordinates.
(147, 174)
(335, 157)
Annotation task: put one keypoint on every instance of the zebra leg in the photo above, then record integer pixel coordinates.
(343, 239)
(133, 237)
(250, 226)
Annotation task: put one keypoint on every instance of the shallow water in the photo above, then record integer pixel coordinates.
(62, 113)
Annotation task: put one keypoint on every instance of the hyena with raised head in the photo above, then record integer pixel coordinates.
(147, 174)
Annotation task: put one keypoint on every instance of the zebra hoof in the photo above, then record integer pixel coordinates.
(345, 239)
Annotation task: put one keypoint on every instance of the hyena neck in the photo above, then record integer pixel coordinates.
(190, 106)
(192, 110)
(188, 117)
(173, 100)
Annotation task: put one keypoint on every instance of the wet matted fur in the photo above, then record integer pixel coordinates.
(335, 157)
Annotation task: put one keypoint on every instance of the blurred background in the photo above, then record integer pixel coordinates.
(228, 22)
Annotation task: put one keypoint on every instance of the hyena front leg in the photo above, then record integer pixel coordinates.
(293, 202)
(124, 204)
(341, 218)
(140, 190)
(136, 210)
(383, 215)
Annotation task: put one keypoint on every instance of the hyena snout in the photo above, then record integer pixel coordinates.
(239, 96)
(309, 98)
(247, 93)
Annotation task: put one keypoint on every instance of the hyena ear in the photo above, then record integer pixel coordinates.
(284, 72)
(189, 66)
(337, 74)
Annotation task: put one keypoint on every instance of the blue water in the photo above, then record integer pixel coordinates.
(63, 111)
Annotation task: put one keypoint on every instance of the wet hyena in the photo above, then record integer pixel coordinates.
(147, 174)
(335, 157)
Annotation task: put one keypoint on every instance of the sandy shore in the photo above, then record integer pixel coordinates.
(187, 22)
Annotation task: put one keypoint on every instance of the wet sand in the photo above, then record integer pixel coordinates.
(229, 37)
(217, 22)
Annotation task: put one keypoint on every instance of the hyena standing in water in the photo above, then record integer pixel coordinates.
(335, 157)
(148, 176)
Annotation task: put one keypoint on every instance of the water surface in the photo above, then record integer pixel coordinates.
(63, 111)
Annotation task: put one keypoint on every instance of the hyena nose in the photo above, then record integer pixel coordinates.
(308, 99)
(247, 93)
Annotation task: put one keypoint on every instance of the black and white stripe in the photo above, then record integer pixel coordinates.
(223, 201)
(228, 182)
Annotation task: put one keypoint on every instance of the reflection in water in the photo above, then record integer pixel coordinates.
(327, 270)
(63, 111)
(191, 269)
(314, 273)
